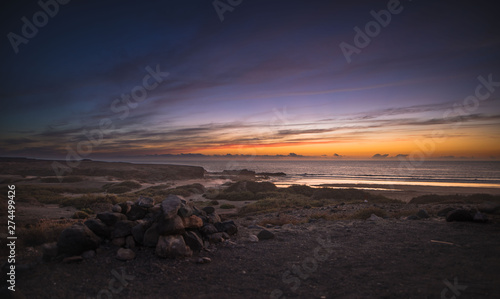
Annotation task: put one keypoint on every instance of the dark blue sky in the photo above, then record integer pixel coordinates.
(270, 78)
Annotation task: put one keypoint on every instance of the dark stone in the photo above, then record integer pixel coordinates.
(480, 217)
(170, 206)
(193, 240)
(99, 228)
(213, 218)
(138, 232)
(77, 239)
(209, 210)
(136, 213)
(125, 207)
(151, 236)
(111, 218)
(170, 226)
(228, 227)
(122, 228)
(208, 229)
(265, 235)
(49, 251)
(218, 237)
(185, 210)
(445, 211)
(172, 246)
(412, 217)
(459, 215)
(423, 214)
(145, 202)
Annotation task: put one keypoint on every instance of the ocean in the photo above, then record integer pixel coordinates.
(387, 172)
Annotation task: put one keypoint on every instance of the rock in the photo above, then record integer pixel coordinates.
(89, 254)
(203, 260)
(116, 208)
(170, 226)
(98, 227)
(172, 246)
(480, 217)
(218, 237)
(423, 214)
(122, 228)
(253, 239)
(185, 210)
(412, 217)
(49, 251)
(208, 229)
(138, 232)
(265, 235)
(459, 215)
(193, 240)
(130, 242)
(490, 208)
(124, 254)
(72, 259)
(192, 222)
(445, 211)
(76, 239)
(151, 236)
(228, 227)
(170, 206)
(118, 241)
(145, 202)
(213, 218)
(374, 217)
(125, 207)
(111, 218)
(136, 213)
(209, 210)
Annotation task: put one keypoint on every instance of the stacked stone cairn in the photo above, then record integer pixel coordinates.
(174, 227)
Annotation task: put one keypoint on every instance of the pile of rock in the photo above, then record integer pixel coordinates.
(174, 227)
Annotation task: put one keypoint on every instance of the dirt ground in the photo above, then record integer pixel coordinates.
(387, 258)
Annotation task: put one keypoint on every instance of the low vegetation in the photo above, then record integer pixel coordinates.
(45, 231)
(468, 199)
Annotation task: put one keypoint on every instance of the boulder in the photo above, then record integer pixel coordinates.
(265, 235)
(136, 213)
(480, 217)
(459, 215)
(228, 227)
(192, 222)
(110, 218)
(125, 207)
(116, 208)
(145, 202)
(185, 210)
(122, 228)
(208, 229)
(193, 240)
(445, 211)
(213, 218)
(423, 214)
(172, 246)
(98, 227)
(77, 239)
(217, 237)
(171, 226)
(124, 254)
(138, 231)
(209, 210)
(151, 236)
(373, 217)
(253, 238)
(170, 206)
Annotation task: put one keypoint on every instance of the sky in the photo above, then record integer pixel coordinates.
(339, 79)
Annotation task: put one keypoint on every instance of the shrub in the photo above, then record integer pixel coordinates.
(45, 231)
(80, 215)
(214, 203)
(118, 189)
(87, 201)
(227, 206)
(471, 199)
(300, 189)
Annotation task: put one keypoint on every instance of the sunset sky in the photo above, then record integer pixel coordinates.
(270, 78)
